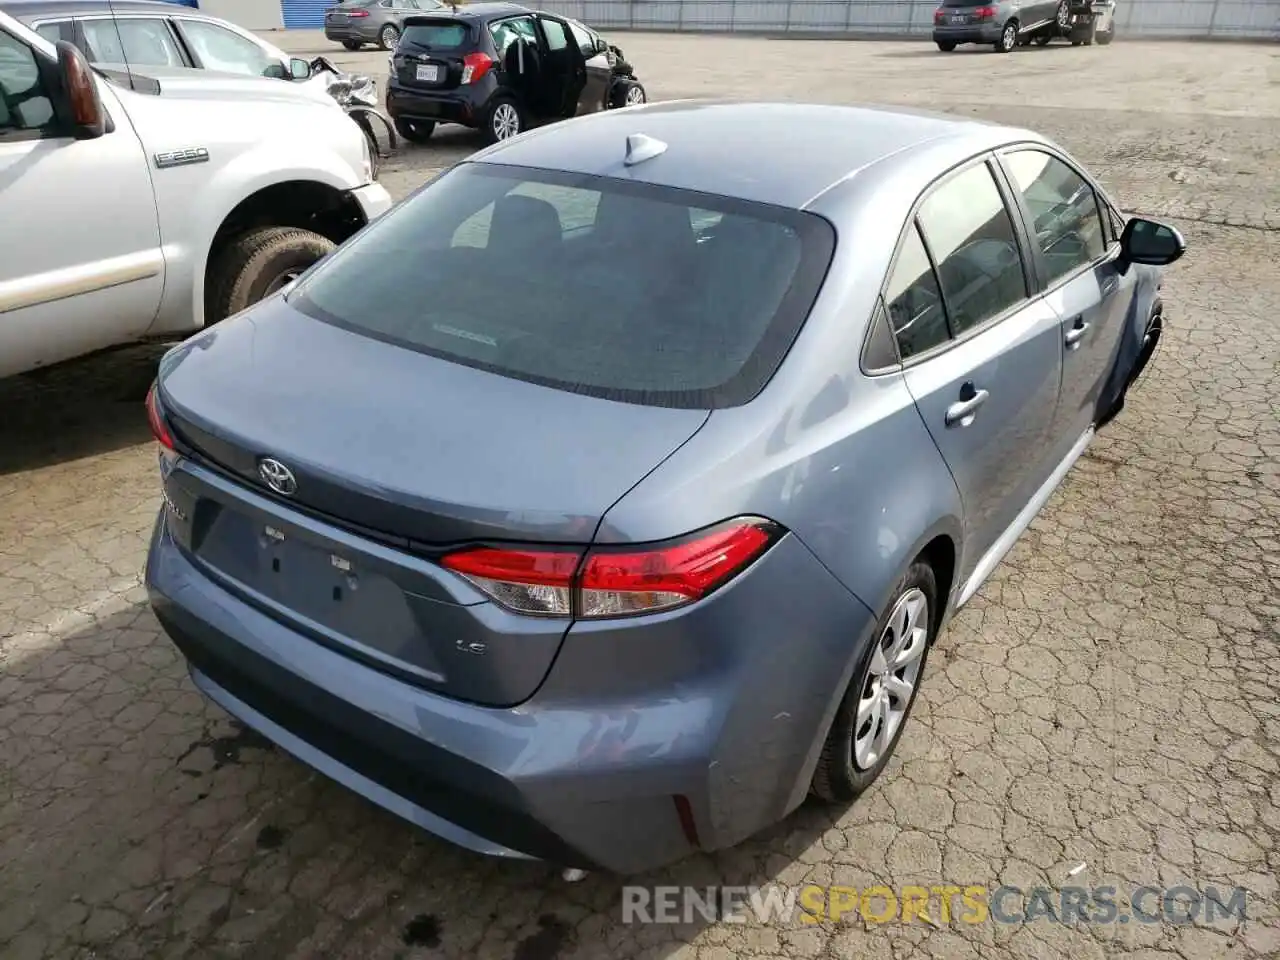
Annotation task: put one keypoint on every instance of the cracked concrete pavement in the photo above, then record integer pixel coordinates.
(1112, 697)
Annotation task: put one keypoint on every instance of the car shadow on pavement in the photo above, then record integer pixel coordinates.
(77, 409)
(145, 822)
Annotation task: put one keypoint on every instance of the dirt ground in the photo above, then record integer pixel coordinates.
(1111, 698)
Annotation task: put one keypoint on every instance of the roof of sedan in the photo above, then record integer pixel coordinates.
(781, 153)
(29, 9)
(474, 11)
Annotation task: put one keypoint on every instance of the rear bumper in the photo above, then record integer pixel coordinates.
(351, 31)
(462, 106)
(968, 33)
(724, 705)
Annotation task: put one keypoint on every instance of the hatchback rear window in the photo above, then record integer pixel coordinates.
(437, 35)
(595, 285)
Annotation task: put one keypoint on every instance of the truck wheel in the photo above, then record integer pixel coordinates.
(1008, 37)
(415, 131)
(352, 44)
(258, 263)
(946, 46)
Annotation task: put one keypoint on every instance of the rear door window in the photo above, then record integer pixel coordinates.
(506, 32)
(138, 41)
(611, 288)
(971, 238)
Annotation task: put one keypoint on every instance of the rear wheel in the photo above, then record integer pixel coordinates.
(1107, 36)
(415, 131)
(1008, 37)
(504, 120)
(257, 264)
(352, 44)
(871, 718)
(1063, 16)
(388, 37)
(946, 46)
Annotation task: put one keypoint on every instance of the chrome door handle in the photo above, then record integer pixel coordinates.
(1075, 333)
(961, 413)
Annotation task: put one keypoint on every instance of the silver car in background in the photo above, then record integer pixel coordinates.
(602, 501)
(353, 23)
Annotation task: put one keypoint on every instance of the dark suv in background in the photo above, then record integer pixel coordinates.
(354, 23)
(1004, 24)
(500, 68)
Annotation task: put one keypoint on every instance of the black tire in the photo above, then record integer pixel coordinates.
(415, 131)
(622, 89)
(352, 44)
(1008, 37)
(837, 779)
(256, 264)
(502, 108)
(1104, 39)
(1043, 40)
(946, 46)
(388, 37)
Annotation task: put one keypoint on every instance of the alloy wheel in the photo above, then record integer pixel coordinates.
(388, 37)
(506, 121)
(1009, 39)
(1064, 15)
(635, 97)
(890, 679)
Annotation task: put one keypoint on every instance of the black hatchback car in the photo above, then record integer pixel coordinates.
(501, 68)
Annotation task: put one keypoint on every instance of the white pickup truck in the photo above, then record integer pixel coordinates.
(151, 203)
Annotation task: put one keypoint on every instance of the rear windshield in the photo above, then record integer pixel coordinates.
(437, 35)
(595, 285)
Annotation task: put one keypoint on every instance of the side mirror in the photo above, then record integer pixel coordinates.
(81, 100)
(1151, 242)
(299, 69)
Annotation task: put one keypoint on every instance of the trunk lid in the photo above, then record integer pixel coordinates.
(394, 454)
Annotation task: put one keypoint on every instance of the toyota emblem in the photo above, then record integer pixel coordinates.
(277, 476)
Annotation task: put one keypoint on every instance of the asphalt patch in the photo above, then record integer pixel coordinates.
(422, 931)
(546, 943)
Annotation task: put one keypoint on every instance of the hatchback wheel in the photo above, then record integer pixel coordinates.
(415, 131)
(388, 37)
(505, 120)
(876, 706)
(946, 46)
(1008, 38)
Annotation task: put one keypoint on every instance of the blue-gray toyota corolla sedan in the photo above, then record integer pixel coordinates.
(601, 501)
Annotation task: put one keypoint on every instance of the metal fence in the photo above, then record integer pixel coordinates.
(1222, 19)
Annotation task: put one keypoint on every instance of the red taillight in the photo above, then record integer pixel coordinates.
(939, 15)
(985, 13)
(358, 14)
(158, 428)
(530, 581)
(475, 66)
(615, 582)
